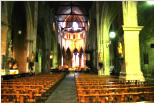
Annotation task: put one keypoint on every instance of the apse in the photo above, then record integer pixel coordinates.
(71, 25)
(72, 22)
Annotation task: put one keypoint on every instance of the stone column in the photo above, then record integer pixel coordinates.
(35, 34)
(4, 32)
(39, 61)
(150, 58)
(99, 41)
(106, 44)
(55, 55)
(131, 42)
(32, 19)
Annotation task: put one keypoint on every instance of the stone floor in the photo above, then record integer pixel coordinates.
(65, 91)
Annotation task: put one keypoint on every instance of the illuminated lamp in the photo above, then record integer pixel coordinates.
(112, 35)
(75, 25)
(19, 32)
(15, 66)
(51, 56)
(150, 2)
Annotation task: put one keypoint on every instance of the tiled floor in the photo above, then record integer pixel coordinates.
(65, 91)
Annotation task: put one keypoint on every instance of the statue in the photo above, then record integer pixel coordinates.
(120, 52)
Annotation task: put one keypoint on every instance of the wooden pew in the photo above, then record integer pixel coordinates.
(92, 88)
(28, 89)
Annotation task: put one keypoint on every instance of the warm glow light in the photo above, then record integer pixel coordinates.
(2, 71)
(73, 60)
(51, 56)
(82, 61)
(14, 72)
(72, 43)
(120, 49)
(75, 25)
(150, 2)
(112, 34)
(77, 59)
(62, 61)
(19, 32)
(68, 43)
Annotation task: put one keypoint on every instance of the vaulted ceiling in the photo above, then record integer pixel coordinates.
(66, 13)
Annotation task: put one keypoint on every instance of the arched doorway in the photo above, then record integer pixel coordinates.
(68, 58)
(75, 59)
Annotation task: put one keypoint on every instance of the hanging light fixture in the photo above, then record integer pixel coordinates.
(112, 35)
(19, 32)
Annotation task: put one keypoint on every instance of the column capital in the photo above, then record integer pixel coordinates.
(132, 28)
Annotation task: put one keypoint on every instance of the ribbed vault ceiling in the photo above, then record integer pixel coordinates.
(72, 11)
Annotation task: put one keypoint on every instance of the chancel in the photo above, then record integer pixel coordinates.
(77, 51)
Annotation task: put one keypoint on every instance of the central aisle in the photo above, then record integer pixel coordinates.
(65, 91)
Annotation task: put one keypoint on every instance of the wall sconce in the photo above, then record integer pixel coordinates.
(112, 35)
(19, 32)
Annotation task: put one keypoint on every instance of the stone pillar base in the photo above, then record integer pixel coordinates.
(132, 76)
(100, 72)
(36, 68)
(107, 72)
